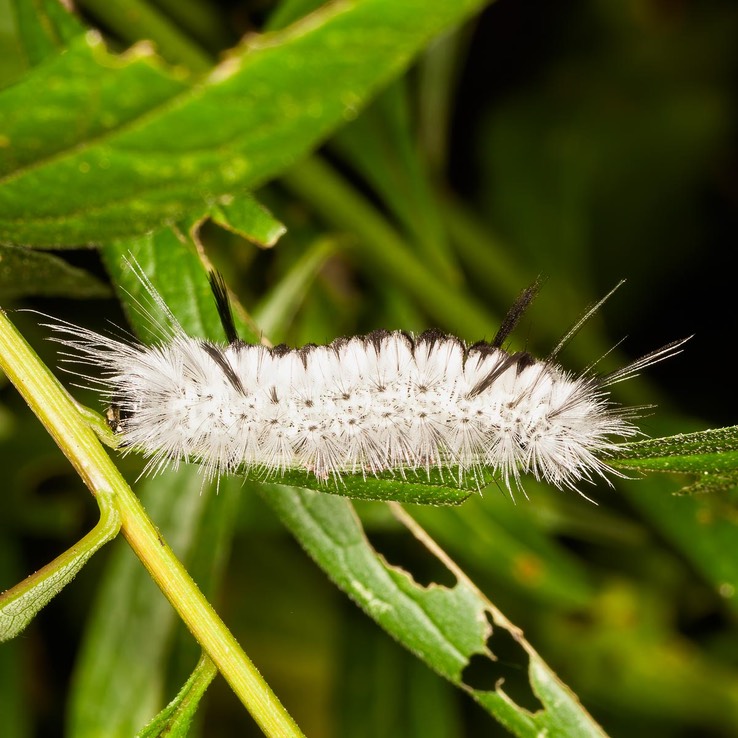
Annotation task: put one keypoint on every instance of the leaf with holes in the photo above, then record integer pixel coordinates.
(455, 630)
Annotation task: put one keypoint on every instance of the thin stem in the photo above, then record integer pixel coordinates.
(198, 18)
(53, 406)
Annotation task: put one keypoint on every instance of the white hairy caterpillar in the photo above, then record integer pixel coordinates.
(387, 401)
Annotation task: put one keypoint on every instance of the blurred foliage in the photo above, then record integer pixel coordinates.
(583, 141)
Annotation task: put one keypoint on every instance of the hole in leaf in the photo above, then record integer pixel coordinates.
(510, 667)
(405, 552)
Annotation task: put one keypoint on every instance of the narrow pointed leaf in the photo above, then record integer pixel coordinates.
(175, 719)
(20, 604)
(705, 452)
(446, 627)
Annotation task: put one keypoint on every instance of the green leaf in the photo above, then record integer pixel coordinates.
(45, 27)
(67, 104)
(132, 20)
(289, 11)
(446, 627)
(102, 146)
(20, 604)
(172, 264)
(172, 261)
(175, 719)
(705, 452)
(24, 272)
(247, 217)
(201, 20)
(432, 488)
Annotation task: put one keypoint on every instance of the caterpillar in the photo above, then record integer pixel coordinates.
(386, 401)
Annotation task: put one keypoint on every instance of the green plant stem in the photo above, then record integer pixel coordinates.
(53, 406)
(199, 18)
